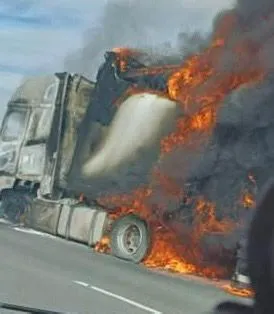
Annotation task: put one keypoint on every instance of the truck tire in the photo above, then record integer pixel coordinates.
(15, 204)
(130, 239)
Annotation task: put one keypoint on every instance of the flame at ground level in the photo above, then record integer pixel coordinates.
(172, 261)
(244, 293)
(103, 246)
(167, 254)
(174, 246)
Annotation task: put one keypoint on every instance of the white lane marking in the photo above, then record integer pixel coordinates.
(5, 221)
(31, 231)
(118, 297)
(81, 283)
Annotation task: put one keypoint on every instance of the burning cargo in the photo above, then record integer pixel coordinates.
(119, 136)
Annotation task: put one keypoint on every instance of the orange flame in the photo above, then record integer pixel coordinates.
(244, 293)
(167, 251)
(199, 86)
(103, 246)
(123, 55)
(206, 221)
(184, 86)
(248, 200)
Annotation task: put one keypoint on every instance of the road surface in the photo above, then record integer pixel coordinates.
(46, 272)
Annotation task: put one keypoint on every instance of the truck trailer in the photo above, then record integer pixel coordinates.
(66, 141)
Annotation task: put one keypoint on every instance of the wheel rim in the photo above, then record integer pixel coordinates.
(130, 239)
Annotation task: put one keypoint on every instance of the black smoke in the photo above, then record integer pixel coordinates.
(239, 146)
(156, 26)
(242, 142)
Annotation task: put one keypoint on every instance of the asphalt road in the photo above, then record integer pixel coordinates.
(46, 272)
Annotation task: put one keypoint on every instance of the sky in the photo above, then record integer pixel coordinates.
(37, 35)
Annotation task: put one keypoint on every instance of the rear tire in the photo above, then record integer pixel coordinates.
(130, 239)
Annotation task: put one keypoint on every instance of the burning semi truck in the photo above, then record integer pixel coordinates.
(68, 140)
(102, 155)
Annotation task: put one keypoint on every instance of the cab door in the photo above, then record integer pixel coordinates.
(33, 151)
(53, 144)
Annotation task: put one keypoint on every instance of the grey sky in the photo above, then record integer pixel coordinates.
(37, 35)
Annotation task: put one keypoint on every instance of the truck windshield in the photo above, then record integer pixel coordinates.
(14, 125)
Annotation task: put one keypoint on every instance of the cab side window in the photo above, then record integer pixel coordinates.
(14, 125)
(41, 124)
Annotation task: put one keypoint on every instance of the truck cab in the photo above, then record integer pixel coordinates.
(31, 132)
(76, 140)
(25, 129)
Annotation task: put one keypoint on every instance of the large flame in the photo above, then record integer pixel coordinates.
(199, 85)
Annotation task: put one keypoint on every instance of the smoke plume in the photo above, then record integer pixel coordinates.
(159, 26)
(240, 149)
(240, 144)
(239, 155)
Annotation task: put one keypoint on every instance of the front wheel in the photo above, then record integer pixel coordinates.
(130, 238)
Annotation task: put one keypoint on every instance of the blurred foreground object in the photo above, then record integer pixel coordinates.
(260, 256)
